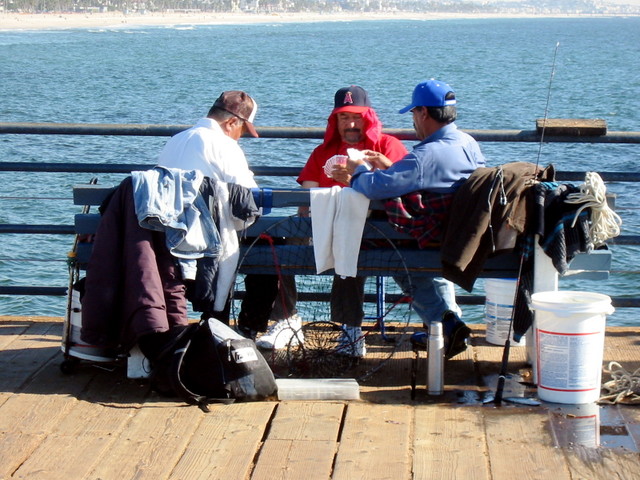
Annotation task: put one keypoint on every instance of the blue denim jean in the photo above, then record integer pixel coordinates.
(431, 297)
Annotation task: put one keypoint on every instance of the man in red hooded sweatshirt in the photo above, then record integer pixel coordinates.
(352, 124)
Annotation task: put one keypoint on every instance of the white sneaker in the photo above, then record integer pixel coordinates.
(351, 342)
(282, 334)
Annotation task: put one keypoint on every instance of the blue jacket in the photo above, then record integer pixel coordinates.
(438, 164)
(167, 200)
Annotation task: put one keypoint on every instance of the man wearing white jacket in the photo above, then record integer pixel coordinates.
(211, 146)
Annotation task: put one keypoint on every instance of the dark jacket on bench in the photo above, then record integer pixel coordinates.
(488, 202)
(133, 285)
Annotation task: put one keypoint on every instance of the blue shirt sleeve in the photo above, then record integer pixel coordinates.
(438, 164)
(402, 177)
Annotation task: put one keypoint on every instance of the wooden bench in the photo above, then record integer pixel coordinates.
(280, 222)
(594, 265)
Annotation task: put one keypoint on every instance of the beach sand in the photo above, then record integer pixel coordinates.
(56, 21)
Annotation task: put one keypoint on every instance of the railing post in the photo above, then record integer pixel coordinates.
(545, 279)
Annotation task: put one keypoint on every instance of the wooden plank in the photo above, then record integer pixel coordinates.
(27, 373)
(302, 441)
(596, 260)
(87, 194)
(10, 331)
(602, 463)
(295, 459)
(572, 126)
(58, 426)
(29, 352)
(375, 443)
(449, 443)
(520, 445)
(83, 253)
(86, 223)
(62, 458)
(300, 227)
(618, 348)
(44, 401)
(307, 421)
(299, 260)
(152, 443)
(106, 407)
(225, 443)
(34, 413)
(16, 448)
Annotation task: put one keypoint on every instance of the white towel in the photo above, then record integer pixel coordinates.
(337, 228)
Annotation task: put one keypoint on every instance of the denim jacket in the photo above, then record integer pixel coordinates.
(168, 199)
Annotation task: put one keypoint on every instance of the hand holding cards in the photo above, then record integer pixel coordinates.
(335, 160)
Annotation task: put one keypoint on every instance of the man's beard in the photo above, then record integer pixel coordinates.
(352, 135)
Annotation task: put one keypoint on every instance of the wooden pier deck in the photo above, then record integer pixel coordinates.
(97, 424)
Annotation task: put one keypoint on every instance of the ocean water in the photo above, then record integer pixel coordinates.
(503, 71)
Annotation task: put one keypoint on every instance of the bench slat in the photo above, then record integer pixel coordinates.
(87, 194)
(297, 230)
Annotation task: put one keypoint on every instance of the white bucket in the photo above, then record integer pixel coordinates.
(78, 348)
(500, 293)
(569, 344)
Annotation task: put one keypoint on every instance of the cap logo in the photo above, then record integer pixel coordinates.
(348, 98)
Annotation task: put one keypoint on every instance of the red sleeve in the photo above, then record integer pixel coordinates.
(312, 170)
(392, 148)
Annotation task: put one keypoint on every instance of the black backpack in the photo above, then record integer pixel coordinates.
(210, 362)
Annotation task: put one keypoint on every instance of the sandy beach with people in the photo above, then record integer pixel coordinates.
(53, 21)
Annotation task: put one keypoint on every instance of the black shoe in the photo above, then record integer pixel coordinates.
(457, 341)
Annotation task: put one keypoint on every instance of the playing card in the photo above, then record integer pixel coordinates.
(335, 160)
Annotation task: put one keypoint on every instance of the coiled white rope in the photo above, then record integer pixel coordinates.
(605, 223)
(624, 386)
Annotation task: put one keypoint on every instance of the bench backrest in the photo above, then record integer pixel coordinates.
(378, 235)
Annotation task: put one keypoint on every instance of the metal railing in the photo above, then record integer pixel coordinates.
(265, 132)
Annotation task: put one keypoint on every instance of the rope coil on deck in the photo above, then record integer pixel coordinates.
(624, 386)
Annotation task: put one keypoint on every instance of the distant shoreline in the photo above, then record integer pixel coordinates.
(61, 21)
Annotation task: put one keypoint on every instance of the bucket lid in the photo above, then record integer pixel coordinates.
(569, 302)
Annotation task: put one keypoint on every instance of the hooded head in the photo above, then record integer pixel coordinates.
(351, 99)
(355, 100)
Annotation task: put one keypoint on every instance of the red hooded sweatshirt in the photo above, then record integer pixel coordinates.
(374, 139)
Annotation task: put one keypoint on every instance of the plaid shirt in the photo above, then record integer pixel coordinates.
(420, 214)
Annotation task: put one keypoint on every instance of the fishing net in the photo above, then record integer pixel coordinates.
(320, 353)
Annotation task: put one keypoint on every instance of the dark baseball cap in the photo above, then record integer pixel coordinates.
(241, 105)
(352, 99)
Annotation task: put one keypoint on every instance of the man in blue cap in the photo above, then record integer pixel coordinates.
(430, 174)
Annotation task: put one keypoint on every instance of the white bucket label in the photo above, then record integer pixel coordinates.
(566, 361)
(500, 294)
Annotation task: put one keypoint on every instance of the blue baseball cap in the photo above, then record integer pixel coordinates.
(431, 93)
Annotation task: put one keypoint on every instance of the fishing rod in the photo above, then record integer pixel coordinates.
(507, 344)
